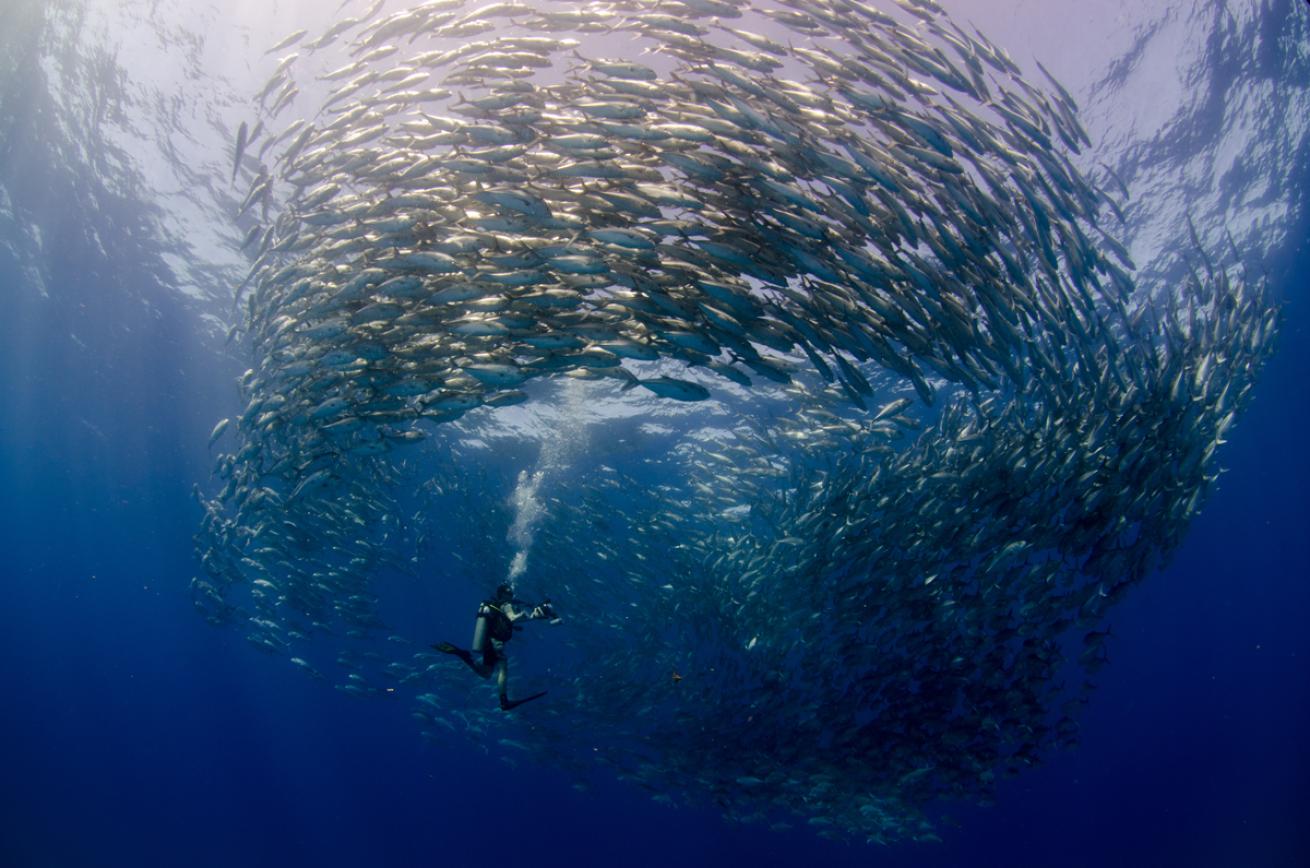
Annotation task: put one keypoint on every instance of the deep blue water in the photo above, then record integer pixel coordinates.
(135, 734)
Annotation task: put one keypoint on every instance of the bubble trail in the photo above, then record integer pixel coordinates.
(527, 515)
(557, 453)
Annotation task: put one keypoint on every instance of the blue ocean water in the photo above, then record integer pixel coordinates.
(133, 733)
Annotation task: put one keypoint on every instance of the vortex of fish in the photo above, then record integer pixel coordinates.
(864, 215)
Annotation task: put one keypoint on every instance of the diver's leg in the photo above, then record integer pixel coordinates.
(502, 681)
(505, 702)
(479, 667)
(490, 657)
(482, 647)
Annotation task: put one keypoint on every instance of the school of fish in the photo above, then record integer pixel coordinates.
(918, 427)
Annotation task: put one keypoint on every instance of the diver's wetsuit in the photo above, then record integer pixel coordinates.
(493, 628)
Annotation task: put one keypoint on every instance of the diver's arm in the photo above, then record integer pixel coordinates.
(535, 613)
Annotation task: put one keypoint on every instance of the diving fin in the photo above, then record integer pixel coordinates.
(447, 648)
(511, 704)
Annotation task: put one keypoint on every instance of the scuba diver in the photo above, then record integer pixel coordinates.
(495, 625)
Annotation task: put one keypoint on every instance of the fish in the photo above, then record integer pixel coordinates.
(219, 428)
(671, 387)
(242, 132)
(290, 40)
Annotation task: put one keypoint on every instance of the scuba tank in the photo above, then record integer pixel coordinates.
(480, 629)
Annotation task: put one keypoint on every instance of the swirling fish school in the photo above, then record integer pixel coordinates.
(850, 208)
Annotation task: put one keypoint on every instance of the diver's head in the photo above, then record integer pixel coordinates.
(504, 593)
